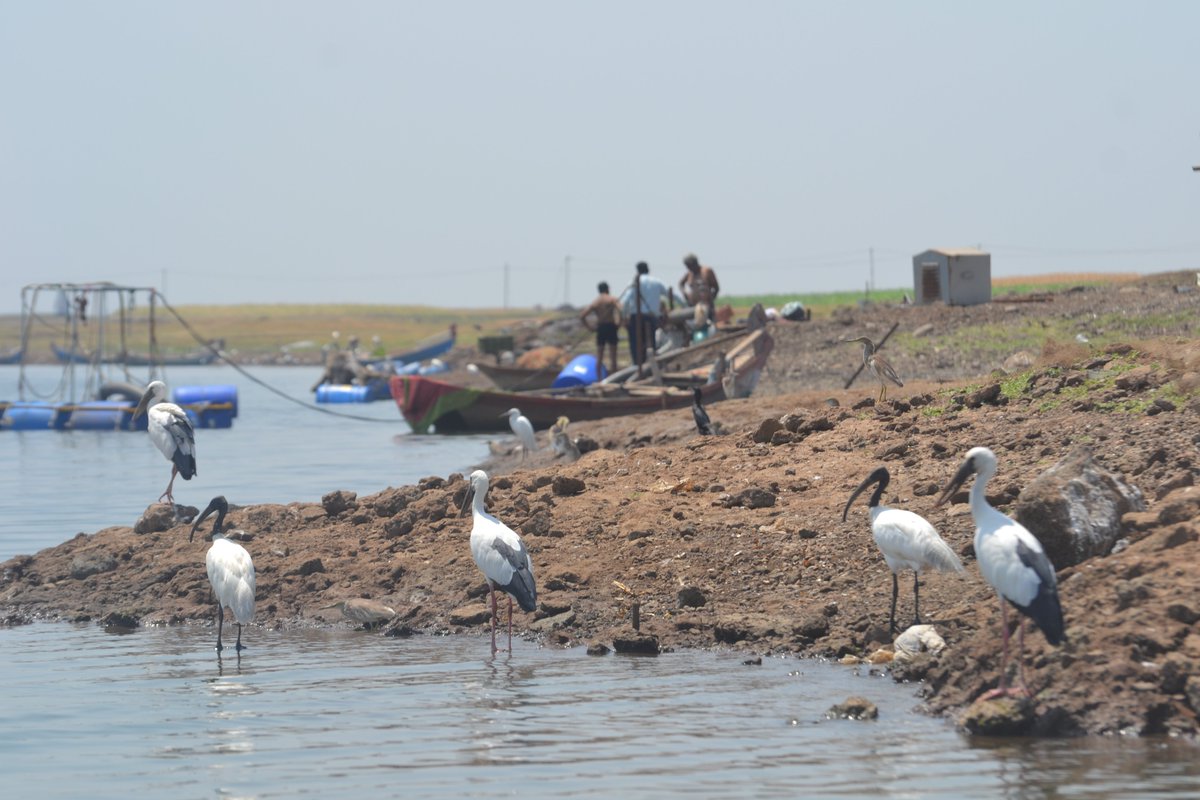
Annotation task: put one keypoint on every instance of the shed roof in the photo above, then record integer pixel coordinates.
(957, 251)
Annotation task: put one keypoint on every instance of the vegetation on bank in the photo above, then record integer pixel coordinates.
(299, 329)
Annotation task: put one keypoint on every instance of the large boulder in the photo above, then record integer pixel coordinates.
(1075, 508)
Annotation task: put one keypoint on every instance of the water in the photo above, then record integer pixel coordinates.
(67, 482)
(343, 714)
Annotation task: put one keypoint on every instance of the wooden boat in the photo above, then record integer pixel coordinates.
(12, 356)
(448, 408)
(196, 358)
(429, 348)
(520, 379)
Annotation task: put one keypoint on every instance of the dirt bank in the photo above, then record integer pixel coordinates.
(738, 540)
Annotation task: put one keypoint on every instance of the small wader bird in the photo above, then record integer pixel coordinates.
(878, 366)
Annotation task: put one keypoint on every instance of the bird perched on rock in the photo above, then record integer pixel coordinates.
(523, 429)
(230, 571)
(561, 441)
(878, 366)
(1012, 561)
(171, 431)
(703, 424)
(501, 555)
(364, 611)
(906, 540)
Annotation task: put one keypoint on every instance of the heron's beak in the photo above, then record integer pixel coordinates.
(960, 477)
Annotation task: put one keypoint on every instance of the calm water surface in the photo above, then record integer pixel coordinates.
(340, 714)
(60, 483)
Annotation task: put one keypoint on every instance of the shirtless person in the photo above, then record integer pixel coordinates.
(700, 287)
(608, 322)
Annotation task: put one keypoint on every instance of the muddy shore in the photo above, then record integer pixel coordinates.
(738, 541)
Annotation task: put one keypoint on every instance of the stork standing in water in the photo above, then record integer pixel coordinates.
(906, 540)
(501, 555)
(703, 424)
(171, 431)
(522, 427)
(1012, 561)
(878, 366)
(230, 571)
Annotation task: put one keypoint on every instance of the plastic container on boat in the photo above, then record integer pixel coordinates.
(342, 393)
(213, 393)
(28, 416)
(580, 371)
(100, 415)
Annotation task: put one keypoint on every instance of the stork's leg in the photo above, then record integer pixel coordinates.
(220, 623)
(492, 589)
(510, 623)
(168, 493)
(892, 613)
(1002, 689)
(239, 647)
(1021, 659)
(916, 598)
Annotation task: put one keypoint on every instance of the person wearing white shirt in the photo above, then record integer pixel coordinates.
(642, 321)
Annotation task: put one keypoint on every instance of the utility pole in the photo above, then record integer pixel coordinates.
(567, 281)
(505, 284)
(872, 255)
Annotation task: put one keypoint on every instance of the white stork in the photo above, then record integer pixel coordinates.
(500, 553)
(523, 428)
(230, 571)
(171, 431)
(1012, 561)
(906, 540)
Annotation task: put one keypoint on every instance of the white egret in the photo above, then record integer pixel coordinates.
(703, 424)
(171, 431)
(522, 427)
(878, 366)
(1012, 561)
(501, 555)
(906, 540)
(230, 571)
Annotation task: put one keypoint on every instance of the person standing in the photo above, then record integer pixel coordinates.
(699, 285)
(642, 302)
(608, 319)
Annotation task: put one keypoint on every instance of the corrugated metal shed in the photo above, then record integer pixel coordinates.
(959, 276)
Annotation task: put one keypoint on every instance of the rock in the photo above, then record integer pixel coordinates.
(1180, 505)
(547, 624)
(399, 525)
(691, 597)
(598, 649)
(988, 395)
(1001, 716)
(1020, 360)
(119, 620)
(91, 563)
(565, 486)
(853, 708)
(1192, 690)
(636, 644)
(766, 429)
(1183, 612)
(753, 497)
(923, 330)
(1177, 481)
(158, 517)
(341, 500)
(812, 627)
(586, 444)
(310, 567)
(1075, 508)
(469, 616)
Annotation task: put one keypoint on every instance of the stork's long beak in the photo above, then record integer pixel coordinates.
(960, 477)
(141, 406)
(466, 499)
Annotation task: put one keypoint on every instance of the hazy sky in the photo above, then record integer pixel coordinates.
(405, 152)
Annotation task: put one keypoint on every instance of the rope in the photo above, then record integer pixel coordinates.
(215, 351)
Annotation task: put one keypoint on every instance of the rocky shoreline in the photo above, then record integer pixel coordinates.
(737, 541)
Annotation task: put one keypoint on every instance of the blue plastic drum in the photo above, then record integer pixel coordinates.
(581, 371)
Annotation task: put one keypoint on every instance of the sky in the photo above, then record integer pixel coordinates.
(477, 154)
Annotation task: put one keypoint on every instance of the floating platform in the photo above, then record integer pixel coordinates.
(206, 406)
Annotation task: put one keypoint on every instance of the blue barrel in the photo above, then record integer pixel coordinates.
(342, 393)
(581, 371)
(34, 415)
(100, 415)
(215, 393)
